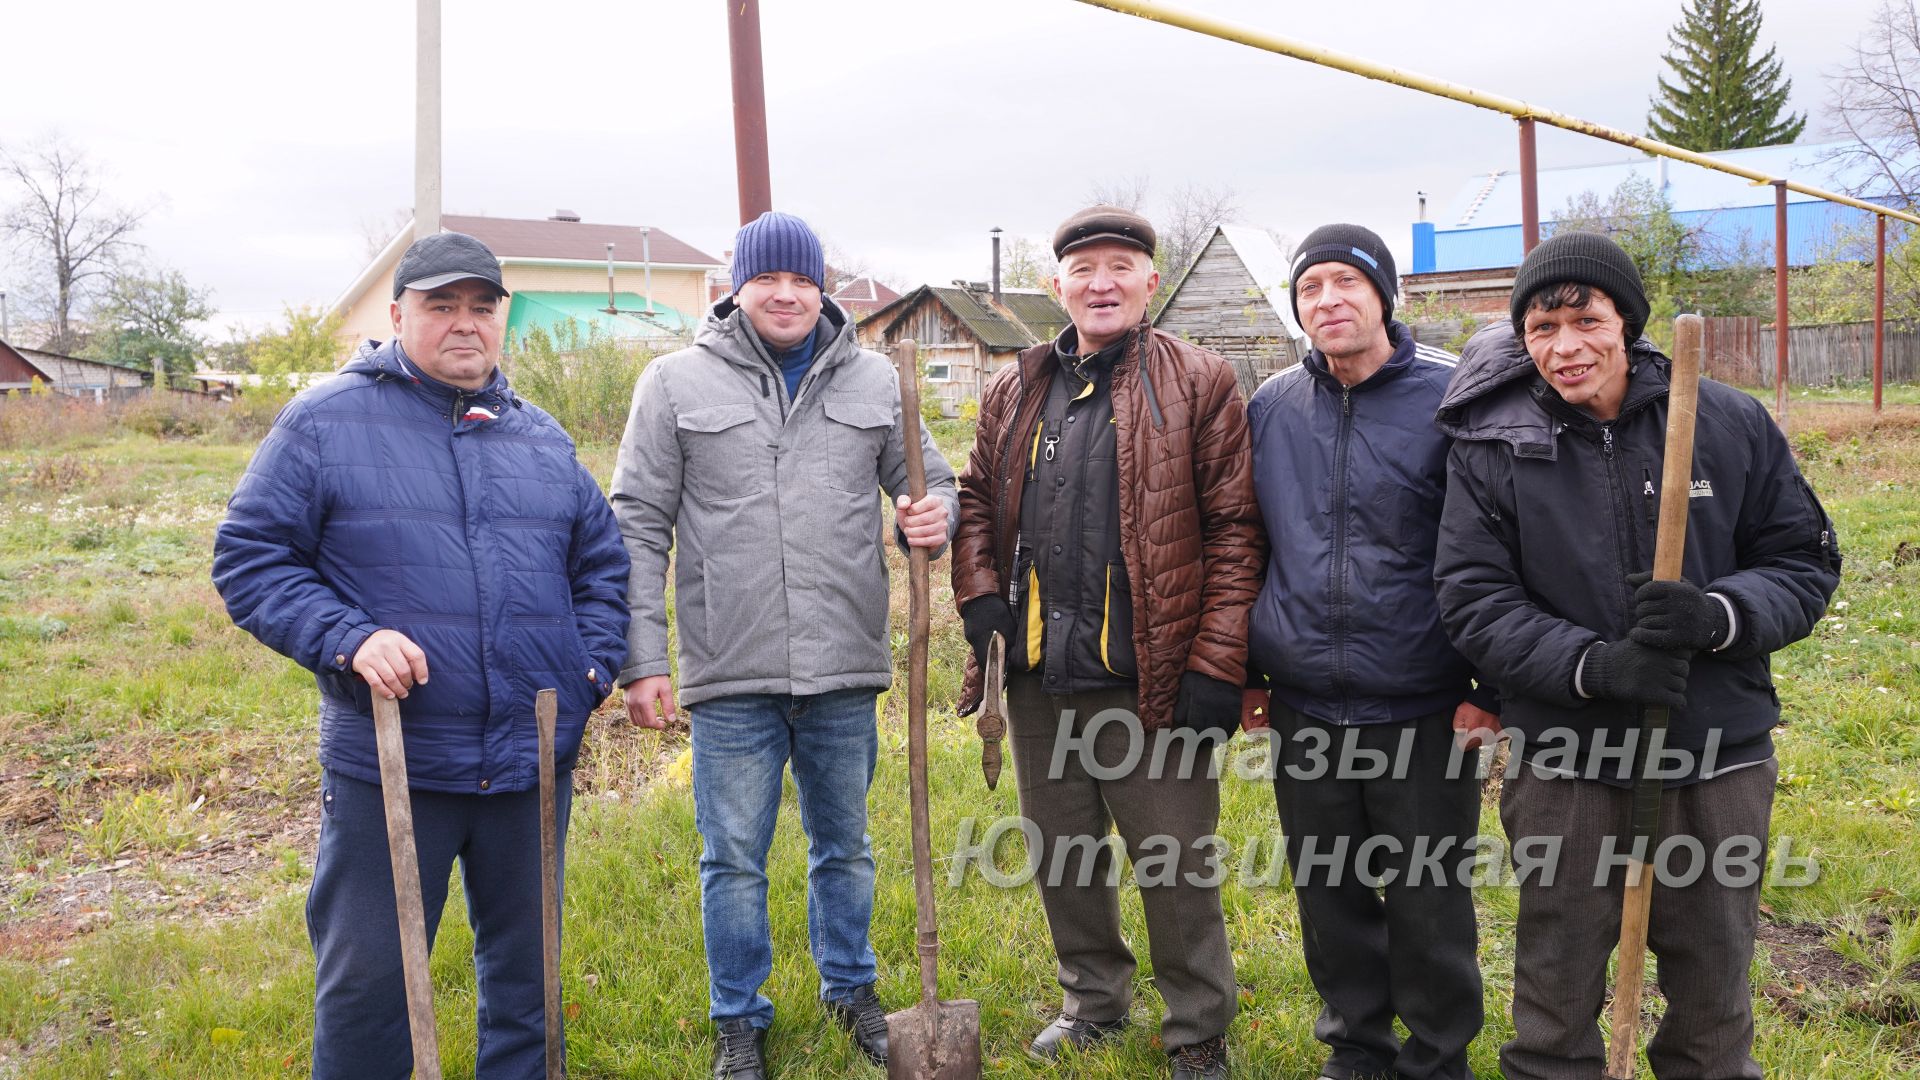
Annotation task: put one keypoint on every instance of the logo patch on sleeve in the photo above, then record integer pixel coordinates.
(1701, 489)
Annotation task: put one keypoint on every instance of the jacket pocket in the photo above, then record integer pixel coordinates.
(1023, 652)
(856, 436)
(717, 441)
(1116, 624)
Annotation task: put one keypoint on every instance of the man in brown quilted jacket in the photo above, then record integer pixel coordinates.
(1108, 532)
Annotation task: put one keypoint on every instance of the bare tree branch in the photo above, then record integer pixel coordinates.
(64, 227)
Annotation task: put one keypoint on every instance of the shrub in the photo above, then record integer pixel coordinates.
(172, 416)
(584, 380)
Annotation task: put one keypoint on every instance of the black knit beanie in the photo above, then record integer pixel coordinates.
(1586, 259)
(1355, 245)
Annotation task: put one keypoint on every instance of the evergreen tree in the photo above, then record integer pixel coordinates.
(1722, 96)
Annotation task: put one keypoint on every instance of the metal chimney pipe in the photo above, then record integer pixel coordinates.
(995, 233)
(749, 108)
(612, 308)
(1423, 204)
(426, 120)
(646, 262)
(4, 334)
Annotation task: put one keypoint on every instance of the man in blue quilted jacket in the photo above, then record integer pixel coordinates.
(412, 528)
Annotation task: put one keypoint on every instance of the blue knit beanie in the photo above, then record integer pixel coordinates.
(773, 242)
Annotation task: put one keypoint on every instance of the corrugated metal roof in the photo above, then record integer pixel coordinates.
(994, 331)
(1493, 199)
(521, 238)
(548, 310)
(1726, 235)
(1038, 312)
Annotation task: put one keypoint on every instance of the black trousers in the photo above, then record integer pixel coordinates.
(1403, 948)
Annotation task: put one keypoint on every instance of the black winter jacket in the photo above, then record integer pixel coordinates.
(1350, 482)
(1548, 510)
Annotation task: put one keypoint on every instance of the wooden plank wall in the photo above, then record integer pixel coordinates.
(1220, 307)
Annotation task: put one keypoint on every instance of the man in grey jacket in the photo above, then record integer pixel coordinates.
(756, 457)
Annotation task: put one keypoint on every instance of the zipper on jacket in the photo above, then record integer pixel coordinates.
(1337, 566)
(1653, 515)
(459, 407)
(1623, 530)
(765, 390)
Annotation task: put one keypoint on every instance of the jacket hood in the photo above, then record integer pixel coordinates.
(727, 334)
(1492, 395)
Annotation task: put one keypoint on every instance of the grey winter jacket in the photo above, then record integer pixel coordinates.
(772, 511)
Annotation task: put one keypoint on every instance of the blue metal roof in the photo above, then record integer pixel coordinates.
(1481, 227)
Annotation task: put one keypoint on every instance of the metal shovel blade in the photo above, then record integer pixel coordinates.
(934, 1041)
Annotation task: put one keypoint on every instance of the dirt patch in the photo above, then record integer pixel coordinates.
(1811, 977)
(232, 875)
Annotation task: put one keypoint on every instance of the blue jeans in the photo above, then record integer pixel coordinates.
(741, 745)
(360, 1000)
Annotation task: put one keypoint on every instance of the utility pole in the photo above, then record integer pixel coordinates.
(426, 120)
(4, 333)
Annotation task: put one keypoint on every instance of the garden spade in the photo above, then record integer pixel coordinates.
(1669, 546)
(544, 708)
(934, 1040)
(406, 886)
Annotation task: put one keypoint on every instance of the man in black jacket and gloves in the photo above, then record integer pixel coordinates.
(1546, 547)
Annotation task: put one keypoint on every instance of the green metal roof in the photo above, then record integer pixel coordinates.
(549, 311)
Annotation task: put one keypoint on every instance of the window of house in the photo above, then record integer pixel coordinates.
(940, 372)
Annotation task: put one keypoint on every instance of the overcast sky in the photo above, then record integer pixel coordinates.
(269, 139)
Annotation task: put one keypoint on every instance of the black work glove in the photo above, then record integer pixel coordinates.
(982, 617)
(1676, 615)
(1207, 705)
(1630, 671)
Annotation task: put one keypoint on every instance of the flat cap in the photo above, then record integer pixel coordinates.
(1096, 224)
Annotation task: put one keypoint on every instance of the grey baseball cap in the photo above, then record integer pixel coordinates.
(443, 258)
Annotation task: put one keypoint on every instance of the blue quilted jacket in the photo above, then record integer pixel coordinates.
(383, 498)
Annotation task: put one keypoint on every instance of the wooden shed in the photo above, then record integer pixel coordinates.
(1233, 300)
(964, 334)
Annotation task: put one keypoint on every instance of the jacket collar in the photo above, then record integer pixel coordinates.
(1398, 364)
(726, 333)
(387, 361)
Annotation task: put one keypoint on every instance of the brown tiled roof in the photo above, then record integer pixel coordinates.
(866, 290)
(528, 239)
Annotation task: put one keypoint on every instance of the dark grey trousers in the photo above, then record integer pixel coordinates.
(1701, 934)
(1406, 948)
(1161, 821)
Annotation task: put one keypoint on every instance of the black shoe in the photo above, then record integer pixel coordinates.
(741, 1052)
(1202, 1060)
(866, 1020)
(1070, 1030)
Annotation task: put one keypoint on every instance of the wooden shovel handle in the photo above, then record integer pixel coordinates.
(406, 886)
(906, 358)
(1669, 551)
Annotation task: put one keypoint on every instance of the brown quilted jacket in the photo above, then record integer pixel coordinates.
(1190, 533)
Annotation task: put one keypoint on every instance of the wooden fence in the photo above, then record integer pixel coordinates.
(1739, 351)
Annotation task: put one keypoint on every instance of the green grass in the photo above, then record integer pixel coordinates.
(134, 720)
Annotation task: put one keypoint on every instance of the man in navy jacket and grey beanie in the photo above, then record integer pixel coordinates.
(1545, 550)
(412, 528)
(1351, 664)
(756, 457)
